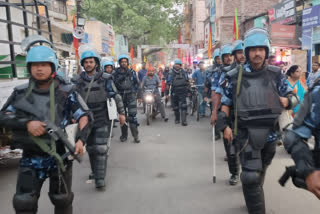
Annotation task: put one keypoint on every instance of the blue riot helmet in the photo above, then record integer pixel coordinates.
(90, 54)
(123, 56)
(237, 46)
(106, 63)
(256, 37)
(177, 61)
(226, 49)
(216, 53)
(42, 54)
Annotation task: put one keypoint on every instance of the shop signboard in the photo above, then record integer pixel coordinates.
(206, 34)
(105, 47)
(283, 34)
(316, 35)
(213, 30)
(310, 19)
(315, 2)
(283, 12)
(260, 22)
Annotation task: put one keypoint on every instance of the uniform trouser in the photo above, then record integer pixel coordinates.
(130, 105)
(178, 98)
(160, 105)
(29, 185)
(97, 147)
(232, 151)
(254, 161)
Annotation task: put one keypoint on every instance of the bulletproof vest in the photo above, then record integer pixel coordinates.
(179, 80)
(258, 103)
(37, 107)
(123, 80)
(97, 97)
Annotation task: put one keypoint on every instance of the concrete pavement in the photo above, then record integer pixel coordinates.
(169, 172)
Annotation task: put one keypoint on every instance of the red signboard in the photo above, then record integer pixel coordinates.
(271, 13)
(279, 31)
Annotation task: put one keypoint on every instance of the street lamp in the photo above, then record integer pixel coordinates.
(81, 21)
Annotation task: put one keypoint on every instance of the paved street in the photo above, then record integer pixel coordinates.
(169, 172)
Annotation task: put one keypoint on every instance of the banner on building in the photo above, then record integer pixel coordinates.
(206, 34)
(310, 19)
(283, 35)
(213, 11)
(283, 12)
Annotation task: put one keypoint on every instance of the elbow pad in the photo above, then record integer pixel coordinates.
(13, 122)
(84, 133)
(222, 121)
(293, 101)
(119, 103)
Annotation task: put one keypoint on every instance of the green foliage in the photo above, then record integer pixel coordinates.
(142, 21)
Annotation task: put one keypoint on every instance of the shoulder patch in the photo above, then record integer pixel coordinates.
(61, 79)
(76, 79)
(233, 73)
(67, 87)
(274, 68)
(22, 87)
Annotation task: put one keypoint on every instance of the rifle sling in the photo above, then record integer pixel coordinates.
(41, 143)
(89, 88)
(239, 80)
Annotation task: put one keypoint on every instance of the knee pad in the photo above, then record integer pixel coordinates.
(184, 106)
(25, 202)
(100, 149)
(250, 177)
(130, 119)
(61, 200)
(175, 108)
(133, 119)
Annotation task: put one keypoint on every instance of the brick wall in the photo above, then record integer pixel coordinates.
(225, 15)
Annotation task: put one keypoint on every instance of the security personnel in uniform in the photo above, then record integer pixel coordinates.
(95, 86)
(47, 97)
(257, 92)
(306, 123)
(179, 82)
(226, 58)
(127, 84)
(211, 70)
(231, 148)
(108, 67)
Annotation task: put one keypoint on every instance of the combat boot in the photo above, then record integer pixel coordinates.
(234, 179)
(177, 116)
(184, 118)
(124, 133)
(135, 132)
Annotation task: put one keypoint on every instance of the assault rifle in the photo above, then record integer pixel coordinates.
(291, 172)
(59, 135)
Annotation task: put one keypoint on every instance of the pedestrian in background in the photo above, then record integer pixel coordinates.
(314, 74)
(294, 82)
(143, 72)
(272, 60)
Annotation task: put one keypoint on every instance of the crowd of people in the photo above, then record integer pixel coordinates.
(247, 95)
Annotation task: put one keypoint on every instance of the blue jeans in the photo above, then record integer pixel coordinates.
(203, 104)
